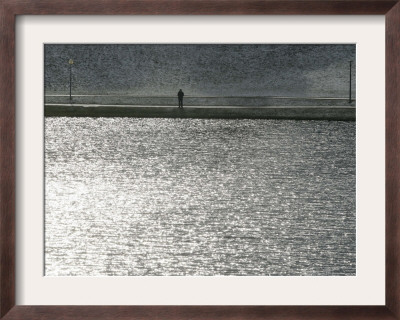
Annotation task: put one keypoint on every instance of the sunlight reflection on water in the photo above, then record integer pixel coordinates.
(129, 196)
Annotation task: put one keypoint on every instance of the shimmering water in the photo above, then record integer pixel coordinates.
(128, 196)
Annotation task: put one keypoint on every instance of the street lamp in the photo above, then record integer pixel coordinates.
(71, 62)
(350, 84)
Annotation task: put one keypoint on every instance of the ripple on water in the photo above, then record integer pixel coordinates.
(129, 196)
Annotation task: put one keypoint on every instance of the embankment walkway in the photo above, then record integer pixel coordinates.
(342, 113)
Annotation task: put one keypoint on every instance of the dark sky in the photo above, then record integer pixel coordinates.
(201, 70)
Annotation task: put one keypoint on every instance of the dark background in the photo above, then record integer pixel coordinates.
(201, 70)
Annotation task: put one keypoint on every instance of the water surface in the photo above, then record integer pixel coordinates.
(130, 196)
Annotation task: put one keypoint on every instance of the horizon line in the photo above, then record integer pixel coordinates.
(139, 96)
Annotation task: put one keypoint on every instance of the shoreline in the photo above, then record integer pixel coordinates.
(335, 113)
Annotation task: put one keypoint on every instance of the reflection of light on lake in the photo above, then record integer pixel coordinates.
(134, 196)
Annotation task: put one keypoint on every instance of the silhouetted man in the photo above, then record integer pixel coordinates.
(180, 98)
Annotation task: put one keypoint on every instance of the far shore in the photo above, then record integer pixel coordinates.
(337, 113)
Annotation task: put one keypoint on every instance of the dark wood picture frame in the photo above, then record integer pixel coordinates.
(9, 9)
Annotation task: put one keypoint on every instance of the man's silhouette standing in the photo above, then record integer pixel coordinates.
(180, 98)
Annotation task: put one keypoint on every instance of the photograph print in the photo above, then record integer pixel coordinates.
(200, 159)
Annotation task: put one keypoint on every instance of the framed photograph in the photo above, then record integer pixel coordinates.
(212, 167)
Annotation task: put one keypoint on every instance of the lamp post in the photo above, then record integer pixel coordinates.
(350, 83)
(71, 62)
